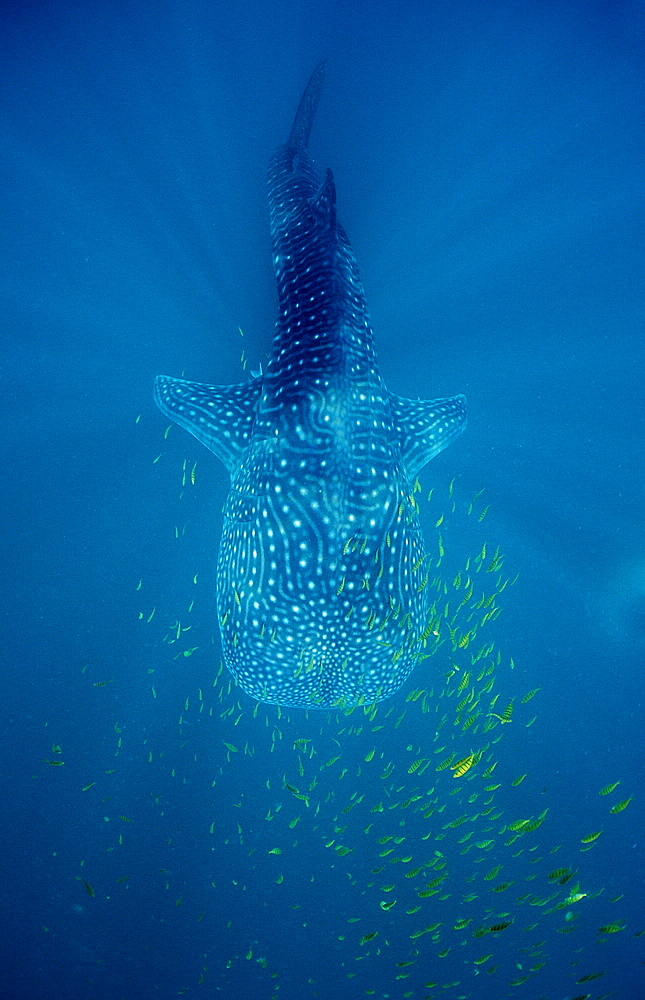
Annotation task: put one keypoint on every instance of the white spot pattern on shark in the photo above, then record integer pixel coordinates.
(319, 594)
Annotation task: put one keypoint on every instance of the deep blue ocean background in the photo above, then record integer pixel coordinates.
(488, 159)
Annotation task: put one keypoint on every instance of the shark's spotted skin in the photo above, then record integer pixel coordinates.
(320, 581)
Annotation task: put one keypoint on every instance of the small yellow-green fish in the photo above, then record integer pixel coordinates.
(464, 701)
(611, 928)
(557, 874)
(575, 897)
(609, 788)
(463, 683)
(463, 765)
(88, 888)
(589, 839)
(589, 977)
(618, 808)
(275, 850)
(530, 694)
(507, 715)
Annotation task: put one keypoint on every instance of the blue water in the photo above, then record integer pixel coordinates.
(488, 161)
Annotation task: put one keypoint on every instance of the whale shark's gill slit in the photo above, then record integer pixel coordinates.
(321, 599)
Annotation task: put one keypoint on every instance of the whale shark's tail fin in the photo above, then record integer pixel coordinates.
(303, 121)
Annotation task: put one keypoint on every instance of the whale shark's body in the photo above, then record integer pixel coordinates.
(321, 576)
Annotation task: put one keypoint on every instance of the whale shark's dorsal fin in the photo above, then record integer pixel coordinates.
(303, 121)
(324, 202)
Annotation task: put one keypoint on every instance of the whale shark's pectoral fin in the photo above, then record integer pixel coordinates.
(220, 416)
(426, 426)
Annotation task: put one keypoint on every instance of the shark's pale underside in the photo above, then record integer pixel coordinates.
(321, 595)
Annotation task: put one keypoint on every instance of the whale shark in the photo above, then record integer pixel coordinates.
(322, 570)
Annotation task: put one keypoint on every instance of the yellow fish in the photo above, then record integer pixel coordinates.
(463, 765)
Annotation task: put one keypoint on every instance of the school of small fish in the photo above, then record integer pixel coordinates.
(411, 810)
